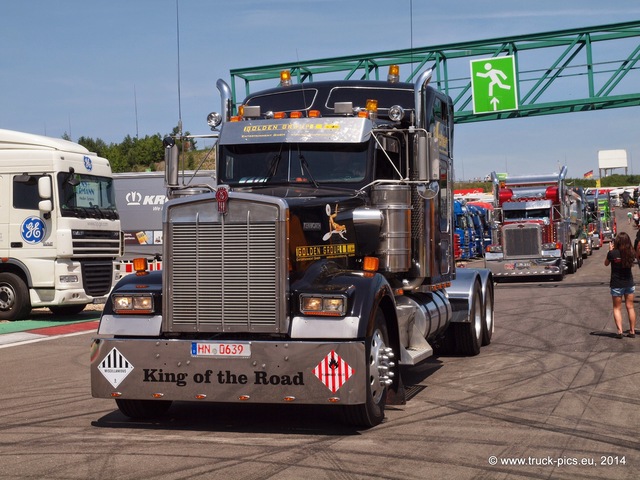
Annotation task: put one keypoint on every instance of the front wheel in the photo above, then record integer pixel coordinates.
(14, 297)
(143, 409)
(378, 378)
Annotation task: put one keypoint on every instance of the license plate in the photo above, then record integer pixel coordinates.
(100, 300)
(221, 349)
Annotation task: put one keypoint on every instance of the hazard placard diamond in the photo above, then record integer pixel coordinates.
(115, 367)
(333, 371)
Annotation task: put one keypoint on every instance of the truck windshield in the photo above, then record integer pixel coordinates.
(531, 213)
(86, 196)
(285, 163)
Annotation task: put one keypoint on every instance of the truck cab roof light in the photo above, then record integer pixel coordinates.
(394, 74)
(285, 78)
(295, 115)
(372, 107)
(314, 113)
(279, 115)
(370, 264)
(140, 266)
(235, 118)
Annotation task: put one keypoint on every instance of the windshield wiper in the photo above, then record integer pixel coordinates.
(275, 163)
(304, 165)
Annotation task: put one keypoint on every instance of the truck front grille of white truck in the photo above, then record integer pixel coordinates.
(96, 243)
(97, 276)
(224, 277)
(521, 240)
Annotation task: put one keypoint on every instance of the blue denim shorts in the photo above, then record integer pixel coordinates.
(619, 292)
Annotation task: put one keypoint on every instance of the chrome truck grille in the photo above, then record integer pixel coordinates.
(226, 273)
(520, 240)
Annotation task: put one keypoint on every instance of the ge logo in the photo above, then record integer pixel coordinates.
(32, 230)
(88, 164)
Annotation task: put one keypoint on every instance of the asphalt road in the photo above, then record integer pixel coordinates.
(555, 395)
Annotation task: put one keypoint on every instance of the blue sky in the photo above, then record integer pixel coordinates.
(85, 67)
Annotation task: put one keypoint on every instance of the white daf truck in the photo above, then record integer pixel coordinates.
(59, 227)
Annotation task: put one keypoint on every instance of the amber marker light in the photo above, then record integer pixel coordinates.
(157, 395)
(140, 266)
(314, 113)
(200, 396)
(244, 398)
(370, 264)
(394, 74)
(116, 394)
(289, 398)
(334, 399)
(285, 78)
(279, 115)
(295, 115)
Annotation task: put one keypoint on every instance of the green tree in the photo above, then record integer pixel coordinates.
(186, 145)
(98, 145)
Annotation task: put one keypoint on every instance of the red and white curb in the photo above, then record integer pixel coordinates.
(47, 333)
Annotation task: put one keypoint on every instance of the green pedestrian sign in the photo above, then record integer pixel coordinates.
(493, 84)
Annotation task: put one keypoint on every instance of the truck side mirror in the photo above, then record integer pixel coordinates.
(428, 192)
(45, 206)
(44, 188)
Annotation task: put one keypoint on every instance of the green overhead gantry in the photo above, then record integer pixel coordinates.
(573, 70)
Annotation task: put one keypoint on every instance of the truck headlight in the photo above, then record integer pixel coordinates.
(68, 279)
(132, 304)
(332, 305)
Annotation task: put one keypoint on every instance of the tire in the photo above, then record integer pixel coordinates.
(487, 315)
(572, 266)
(143, 409)
(378, 376)
(67, 309)
(579, 255)
(469, 334)
(14, 297)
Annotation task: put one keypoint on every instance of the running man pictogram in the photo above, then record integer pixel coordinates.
(495, 75)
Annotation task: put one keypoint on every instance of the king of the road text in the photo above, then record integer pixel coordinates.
(226, 377)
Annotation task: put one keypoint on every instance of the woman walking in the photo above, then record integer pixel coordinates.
(621, 257)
